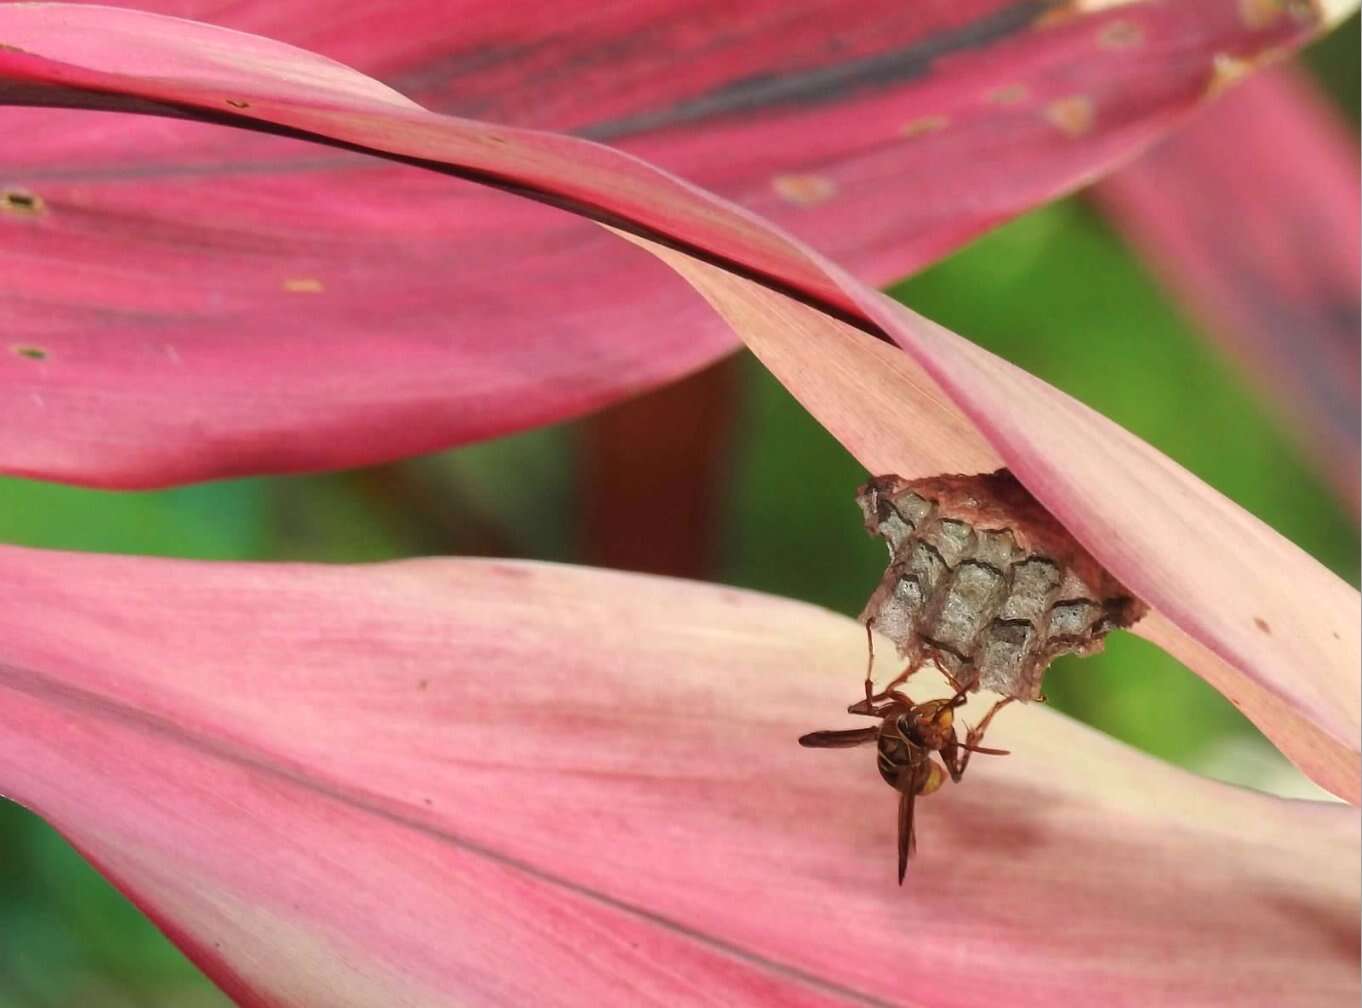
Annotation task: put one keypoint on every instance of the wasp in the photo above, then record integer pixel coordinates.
(906, 737)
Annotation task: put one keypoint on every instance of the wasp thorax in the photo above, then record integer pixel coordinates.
(985, 582)
(933, 723)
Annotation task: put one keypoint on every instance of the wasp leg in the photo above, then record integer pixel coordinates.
(961, 696)
(870, 659)
(976, 734)
(867, 708)
(903, 676)
(960, 688)
(890, 698)
(870, 695)
(952, 755)
(889, 693)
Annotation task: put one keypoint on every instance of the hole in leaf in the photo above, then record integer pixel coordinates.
(21, 202)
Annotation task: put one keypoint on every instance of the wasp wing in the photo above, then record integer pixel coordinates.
(839, 739)
(912, 779)
(907, 840)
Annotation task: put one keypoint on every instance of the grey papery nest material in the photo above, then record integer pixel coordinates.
(983, 581)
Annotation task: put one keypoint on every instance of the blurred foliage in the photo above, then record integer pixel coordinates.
(1055, 292)
(1333, 60)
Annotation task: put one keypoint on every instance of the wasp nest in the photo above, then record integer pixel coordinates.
(983, 581)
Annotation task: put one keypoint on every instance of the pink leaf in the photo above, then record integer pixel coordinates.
(1252, 215)
(186, 302)
(493, 783)
(1257, 617)
(1263, 622)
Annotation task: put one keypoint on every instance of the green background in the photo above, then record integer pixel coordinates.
(1055, 279)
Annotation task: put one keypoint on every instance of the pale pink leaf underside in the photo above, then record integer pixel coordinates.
(481, 782)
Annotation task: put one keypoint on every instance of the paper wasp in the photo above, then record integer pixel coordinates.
(906, 737)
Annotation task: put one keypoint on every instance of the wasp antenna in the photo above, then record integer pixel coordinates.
(986, 751)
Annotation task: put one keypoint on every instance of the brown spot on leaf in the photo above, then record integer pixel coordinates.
(4, 47)
(304, 285)
(1073, 115)
(422, 683)
(806, 190)
(1074, 9)
(1259, 14)
(21, 203)
(1009, 94)
(1261, 624)
(238, 103)
(30, 352)
(1120, 35)
(925, 125)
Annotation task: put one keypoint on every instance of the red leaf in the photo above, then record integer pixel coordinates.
(1291, 641)
(197, 303)
(1251, 215)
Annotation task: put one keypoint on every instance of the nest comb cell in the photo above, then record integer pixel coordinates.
(984, 582)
